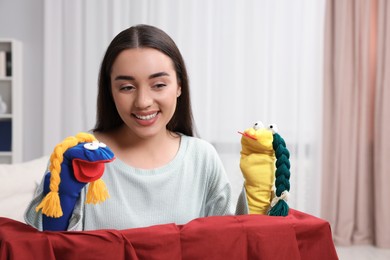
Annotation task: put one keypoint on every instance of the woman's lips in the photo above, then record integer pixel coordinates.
(146, 119)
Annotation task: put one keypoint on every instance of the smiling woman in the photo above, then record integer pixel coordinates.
(145, 91)
(162, 173)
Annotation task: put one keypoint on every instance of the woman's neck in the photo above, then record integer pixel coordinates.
(145, 153)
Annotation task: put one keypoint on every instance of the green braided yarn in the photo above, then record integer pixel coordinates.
(280, 209)
(282, 175)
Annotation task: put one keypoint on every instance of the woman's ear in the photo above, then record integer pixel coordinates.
(178, 93)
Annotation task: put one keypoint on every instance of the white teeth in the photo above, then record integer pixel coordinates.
(148, 117)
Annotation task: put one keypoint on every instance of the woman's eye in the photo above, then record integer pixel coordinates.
(161, 85)
(126, 88)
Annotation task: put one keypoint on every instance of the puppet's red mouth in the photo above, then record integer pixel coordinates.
(86, 171)
(247, 135)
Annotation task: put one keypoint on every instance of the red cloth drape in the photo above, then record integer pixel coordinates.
(297, 236)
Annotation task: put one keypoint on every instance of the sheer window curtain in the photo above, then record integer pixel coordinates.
(247, 61)
(356, 113)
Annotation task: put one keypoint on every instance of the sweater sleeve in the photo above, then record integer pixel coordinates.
(218, 200)
(242, 203)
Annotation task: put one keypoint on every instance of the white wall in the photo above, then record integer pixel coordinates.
(23, 20)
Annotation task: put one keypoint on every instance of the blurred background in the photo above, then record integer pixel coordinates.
(318, 69)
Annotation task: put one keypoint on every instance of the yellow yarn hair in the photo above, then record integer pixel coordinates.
(97, 191)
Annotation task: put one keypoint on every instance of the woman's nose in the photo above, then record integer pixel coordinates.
(143, 99)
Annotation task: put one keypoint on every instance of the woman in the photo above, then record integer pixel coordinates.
(162, 173)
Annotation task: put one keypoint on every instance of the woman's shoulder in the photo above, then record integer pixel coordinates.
(198, 144)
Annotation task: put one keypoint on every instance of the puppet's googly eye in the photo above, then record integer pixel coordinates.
(258, 125)
(103, 145)
(91, 146)
(273, 128)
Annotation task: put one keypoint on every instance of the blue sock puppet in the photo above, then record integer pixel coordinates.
(75, 162)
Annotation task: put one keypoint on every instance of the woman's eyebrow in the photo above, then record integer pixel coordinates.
(154, 75)
(158, 74)
(123, 77)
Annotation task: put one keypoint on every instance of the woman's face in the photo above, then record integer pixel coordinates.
(145, 90)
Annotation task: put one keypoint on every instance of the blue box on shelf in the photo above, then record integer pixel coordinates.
(5, 135)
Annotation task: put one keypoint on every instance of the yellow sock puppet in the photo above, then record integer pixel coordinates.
(265, 165)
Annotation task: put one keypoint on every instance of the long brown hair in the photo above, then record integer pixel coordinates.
(143, 36)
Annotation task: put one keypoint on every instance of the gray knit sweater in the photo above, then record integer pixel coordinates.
(194, 184)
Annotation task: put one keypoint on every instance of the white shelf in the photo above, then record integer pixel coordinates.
(5, 116)
(11, 137)
(5, 157)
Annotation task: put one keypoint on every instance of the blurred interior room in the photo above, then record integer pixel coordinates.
(320, 70)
